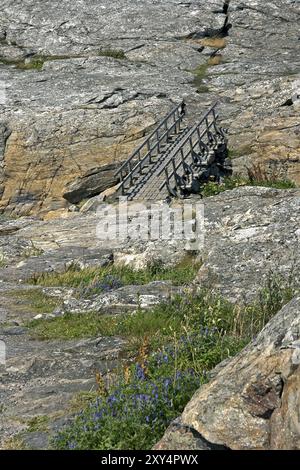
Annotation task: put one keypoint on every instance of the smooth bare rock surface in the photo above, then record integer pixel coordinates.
(253, 402)
(81, 111)
(42, 378)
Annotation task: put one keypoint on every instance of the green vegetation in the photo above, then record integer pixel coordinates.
(2, 260)
(32, 250)
(38, 423)
(35, 62)
(83, 399)
(179, 343)
(135, 326)
(36, 299)
(212, 188)
(115, 53)
(96, 280)
(199, 74)
(163, 320)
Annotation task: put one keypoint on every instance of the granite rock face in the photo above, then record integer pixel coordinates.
(253, 401)
(74, 104)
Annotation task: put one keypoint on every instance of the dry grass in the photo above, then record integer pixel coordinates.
(14, 443)
(217, 43)
(215, 60)
(260, 173)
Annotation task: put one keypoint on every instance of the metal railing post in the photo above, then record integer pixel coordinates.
(158, 144)
(166, 129)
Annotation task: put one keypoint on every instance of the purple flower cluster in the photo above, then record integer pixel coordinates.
(146, 401)
(106, 284)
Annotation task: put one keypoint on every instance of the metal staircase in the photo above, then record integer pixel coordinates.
(176, 159)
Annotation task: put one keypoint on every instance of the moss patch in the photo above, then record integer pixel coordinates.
(199, 75)
(36, 62)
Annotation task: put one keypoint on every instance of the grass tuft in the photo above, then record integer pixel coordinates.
(38, 423)
(36, 299)
(14, 443)
(199, 75)
(97, 280)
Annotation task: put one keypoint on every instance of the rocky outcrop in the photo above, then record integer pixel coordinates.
(75, 103)
(248, 230)
(250, 234)
(252, 403)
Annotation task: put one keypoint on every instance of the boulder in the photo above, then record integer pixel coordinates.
(92, 183)
(252, 403)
